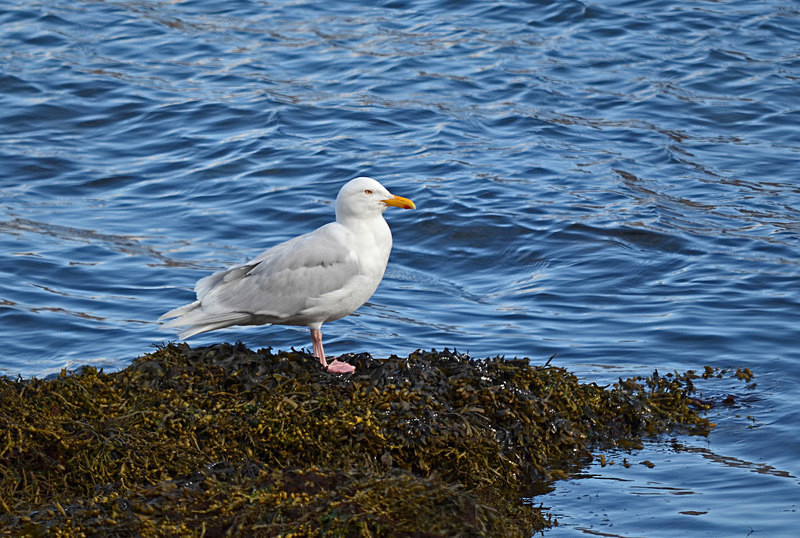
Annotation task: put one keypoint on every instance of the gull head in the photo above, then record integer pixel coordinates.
(364, 197)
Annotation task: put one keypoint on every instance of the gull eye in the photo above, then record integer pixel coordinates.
(367, 191)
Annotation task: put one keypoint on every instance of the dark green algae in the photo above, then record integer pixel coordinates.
(225, 441)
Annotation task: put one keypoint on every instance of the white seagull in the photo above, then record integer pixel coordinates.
(317, 277)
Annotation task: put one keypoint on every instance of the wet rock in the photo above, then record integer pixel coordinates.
(223, 440)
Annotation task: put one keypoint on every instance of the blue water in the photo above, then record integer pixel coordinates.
(618, 183)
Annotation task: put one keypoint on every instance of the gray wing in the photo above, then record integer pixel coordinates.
(280, 283)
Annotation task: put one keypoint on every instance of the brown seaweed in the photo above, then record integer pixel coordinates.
(225, 441)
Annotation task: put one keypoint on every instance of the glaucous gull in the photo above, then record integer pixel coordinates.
(317, 277)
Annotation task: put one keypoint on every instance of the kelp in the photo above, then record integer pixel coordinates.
(222, 441)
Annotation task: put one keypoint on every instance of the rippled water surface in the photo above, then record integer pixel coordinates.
(618, 183)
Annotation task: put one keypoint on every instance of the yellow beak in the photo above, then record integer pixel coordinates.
(399, 201)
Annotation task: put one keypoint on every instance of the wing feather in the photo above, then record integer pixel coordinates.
(283, 280)
(276, 286)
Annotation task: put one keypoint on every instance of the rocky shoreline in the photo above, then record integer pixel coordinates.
(224, 441)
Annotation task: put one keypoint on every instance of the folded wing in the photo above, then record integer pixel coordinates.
(275, 287)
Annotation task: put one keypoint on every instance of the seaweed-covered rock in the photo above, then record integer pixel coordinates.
(224, 441)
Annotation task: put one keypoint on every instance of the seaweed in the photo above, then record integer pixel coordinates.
(226, 441)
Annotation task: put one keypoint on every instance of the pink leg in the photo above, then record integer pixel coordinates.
(319, 352)
(336, 366)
